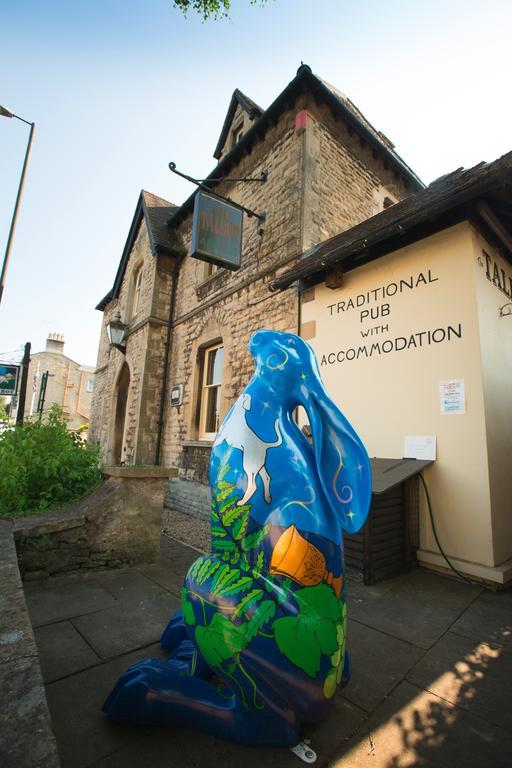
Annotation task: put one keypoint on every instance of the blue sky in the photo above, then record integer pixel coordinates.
(119, 88)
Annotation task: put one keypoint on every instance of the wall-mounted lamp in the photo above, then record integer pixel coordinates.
(116, 332)
(506, 309)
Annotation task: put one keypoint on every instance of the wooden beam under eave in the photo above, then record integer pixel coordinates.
(492, 221)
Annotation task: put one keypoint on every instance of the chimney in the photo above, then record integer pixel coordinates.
(55, 343)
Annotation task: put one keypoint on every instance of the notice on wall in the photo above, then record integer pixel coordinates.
(420, 447)
(452, 396)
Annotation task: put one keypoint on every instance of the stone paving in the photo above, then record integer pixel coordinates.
(431, 657)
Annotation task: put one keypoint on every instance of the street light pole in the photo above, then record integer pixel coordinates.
(6, 113)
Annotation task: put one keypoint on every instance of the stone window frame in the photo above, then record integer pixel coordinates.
(205, 388)
(210, 269)
(135, 290)
(236, 133)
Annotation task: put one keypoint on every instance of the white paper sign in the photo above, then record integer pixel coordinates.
(420, 447)
(452, 395)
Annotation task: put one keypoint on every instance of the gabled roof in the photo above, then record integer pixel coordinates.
(248, 105)
(306, 82)
(482, 193)
(155, 211)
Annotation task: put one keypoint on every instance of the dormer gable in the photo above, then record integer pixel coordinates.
(154, 211)
(242, 112)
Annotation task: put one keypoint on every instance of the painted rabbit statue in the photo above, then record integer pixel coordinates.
(259, 646)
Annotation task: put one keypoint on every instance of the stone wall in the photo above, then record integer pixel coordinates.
(118, 524)
(192, 497)
(345, 182)
(322, 179)
(145, 351)
(26, 738)
(230, 306)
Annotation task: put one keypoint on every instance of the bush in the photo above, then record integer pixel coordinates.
(43, 465)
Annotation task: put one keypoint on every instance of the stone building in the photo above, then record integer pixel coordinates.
(53, 378)
(188, 323)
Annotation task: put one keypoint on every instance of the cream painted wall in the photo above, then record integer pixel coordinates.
(496, 345)
(389, 395)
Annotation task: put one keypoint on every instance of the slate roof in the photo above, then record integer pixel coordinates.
(248, 105)
(463, 194)
(306, 82)
(378, 136)
(155, 211)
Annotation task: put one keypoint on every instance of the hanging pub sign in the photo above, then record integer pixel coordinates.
(216, 232)
(9, 375)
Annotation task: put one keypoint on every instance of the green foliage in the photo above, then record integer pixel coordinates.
(3, 412)
(43, 465)
(208, 8)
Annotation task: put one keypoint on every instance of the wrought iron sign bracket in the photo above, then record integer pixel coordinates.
(202, 184)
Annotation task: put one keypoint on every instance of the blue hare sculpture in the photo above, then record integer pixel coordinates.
(259, 645)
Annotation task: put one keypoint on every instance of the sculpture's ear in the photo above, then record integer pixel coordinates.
(342, 463)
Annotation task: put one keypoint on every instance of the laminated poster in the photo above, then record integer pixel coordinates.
(452, 396)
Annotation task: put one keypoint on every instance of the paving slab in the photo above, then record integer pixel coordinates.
(148, 750)
(418, 607)
(131, 587)
(380, 719)
(165, 576)
(83, 733)
(379, 662)
(472, 675)
(416, 728)
(63, 651)
(342, 722)
(177, 556)
(130, 625)
(164, 747)
(488, 618)
(61, 598)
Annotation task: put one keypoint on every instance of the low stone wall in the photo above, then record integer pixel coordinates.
(119, 524)
(186, 516)
(189, 497)
(26, 738)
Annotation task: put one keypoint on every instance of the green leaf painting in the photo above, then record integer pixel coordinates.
(263, 613)
(235, 588)
(304, 638)
(188, 609)
(219, 640)
(249, 602)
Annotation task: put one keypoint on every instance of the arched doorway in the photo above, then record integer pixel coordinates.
(123, 385)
